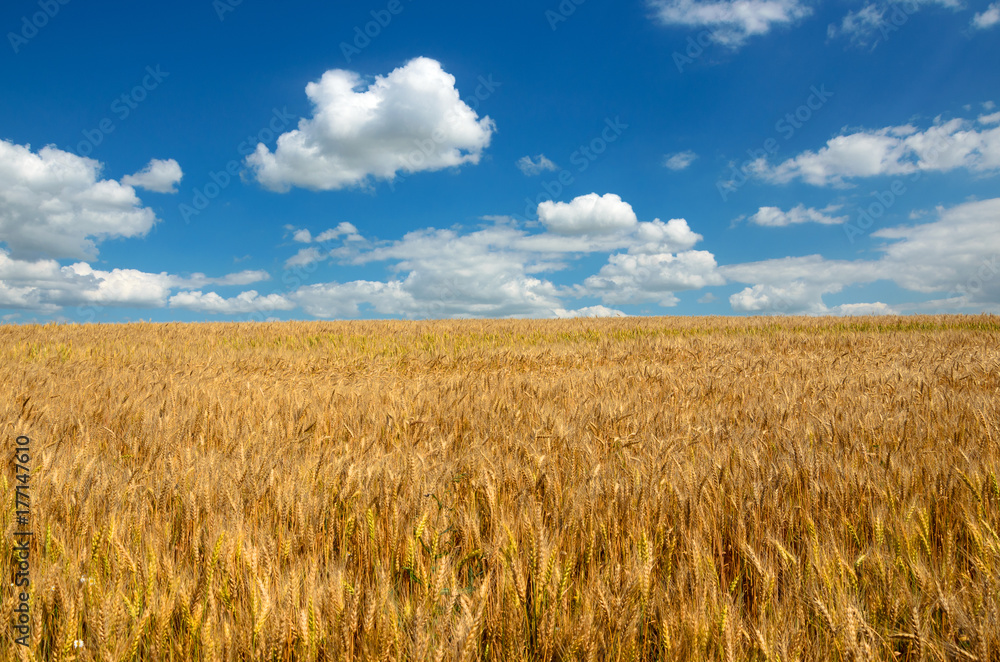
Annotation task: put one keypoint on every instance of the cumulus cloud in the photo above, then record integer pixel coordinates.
(895, 150)
(158, 175)
(53, 204)
(408, 121)
(957, 254)
(988, 18)
(587, 214)
(500, 270)
(775, 218)
(645, 277)
(589, 311)
(732, 22)
(44, 285)
(536, 166)
(679, 160)
(245, 302)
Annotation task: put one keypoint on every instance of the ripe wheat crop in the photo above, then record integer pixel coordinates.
(628, 489)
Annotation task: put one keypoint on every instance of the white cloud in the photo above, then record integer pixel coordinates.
(52, 204)
(775, 217)
(589, 311)
(856, 309)
(732, 22)
(679, 160)
(245, 302)
(860, 26)
(496, 271)
(645, 277)
(992, 118)
(47, 287)
(346, 230)
(882, 18)
(895, 150)
(302, 236)
(409, 121)
(958, 253)
(305, 257)
(587, 214)
(987, 19)
(158, 175)
(540, 164)
(795, 285)
(197, 280)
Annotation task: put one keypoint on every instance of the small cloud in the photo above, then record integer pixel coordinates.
(708, 297)
(159, 175)
(989, 105)
(774, 217)
(992, 118)
(342, 229)
(302, 236)
(679, 160)
(988, 18)
(731, 22)
(305, 257)
(535, 167)
(589, 311)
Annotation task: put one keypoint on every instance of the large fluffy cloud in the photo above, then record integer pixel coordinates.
(731, 22)
(895, 150)
(54, 205)
(408, 121)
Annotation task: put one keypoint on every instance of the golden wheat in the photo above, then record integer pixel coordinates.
(628, 489)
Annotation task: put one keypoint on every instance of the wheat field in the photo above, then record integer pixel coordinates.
(626, 489)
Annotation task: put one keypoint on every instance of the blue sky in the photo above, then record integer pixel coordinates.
(414, 159)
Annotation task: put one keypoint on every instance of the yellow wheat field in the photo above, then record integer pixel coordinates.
(628, 489)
